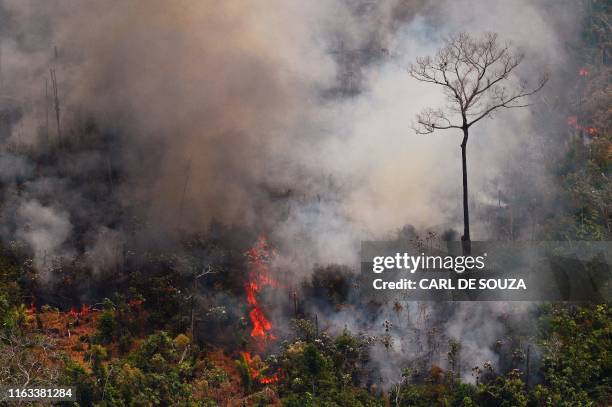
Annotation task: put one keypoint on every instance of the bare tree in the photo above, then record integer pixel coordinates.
(57, 104)
(476, 77)
(27, 360)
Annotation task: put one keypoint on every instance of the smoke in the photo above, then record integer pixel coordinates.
(45, 229)
(106, 250)
(292, 118)
(13, 167)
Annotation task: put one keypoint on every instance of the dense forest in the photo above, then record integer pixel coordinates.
(209, 321)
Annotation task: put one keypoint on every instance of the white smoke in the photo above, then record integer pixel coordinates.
(46, 230)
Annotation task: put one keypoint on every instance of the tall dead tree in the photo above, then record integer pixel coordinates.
(46, 112)
(476, 75)
(192, 298)
(56, 102)
(1, 73)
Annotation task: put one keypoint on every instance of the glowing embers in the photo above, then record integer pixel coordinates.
(259, 277)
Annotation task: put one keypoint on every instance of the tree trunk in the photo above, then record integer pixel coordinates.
(466, 243)
(192, 316)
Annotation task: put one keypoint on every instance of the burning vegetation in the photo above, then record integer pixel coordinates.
(178, 229)
(259, 257)
(258, 278)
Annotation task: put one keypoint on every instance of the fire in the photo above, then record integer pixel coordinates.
(270, 380)
(259, 276)
(256, 374)
(249, 360)
(135, 303)
(572, 121)
(261, 325)
(85, 310)
(583, 72)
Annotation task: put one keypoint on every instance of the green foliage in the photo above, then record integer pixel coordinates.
(75, 375)
(245, 373)
(577, 360)
(97, 354)
(323, 372)
(154, 374)
(181, 341)
(12, 311)
(303, 329)
(504, 391)
(215, 376)
(125, 343)
(347, 354)
(106, 327)
(12, 317)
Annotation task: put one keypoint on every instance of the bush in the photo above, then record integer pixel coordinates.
(106, 327)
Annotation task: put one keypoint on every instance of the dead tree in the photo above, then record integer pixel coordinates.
(57, 105)
(476, 75)
(1, 73)
(527, 367)
(47, 112)
(192, 298)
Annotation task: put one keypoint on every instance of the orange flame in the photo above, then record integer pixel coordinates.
(270, 380)
(259, 276)
(247, 357)
(135, 303)
(256, 375)
(85, 310)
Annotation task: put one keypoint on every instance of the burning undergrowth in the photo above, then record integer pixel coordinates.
(258, 278)
(259, 257)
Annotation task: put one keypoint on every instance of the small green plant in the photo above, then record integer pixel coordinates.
(106, 327)
(244, 370)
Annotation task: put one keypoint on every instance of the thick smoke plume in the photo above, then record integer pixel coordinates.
(291, 118)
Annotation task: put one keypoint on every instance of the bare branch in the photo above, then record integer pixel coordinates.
(508, 102)
(475, 74)
(430, 120)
